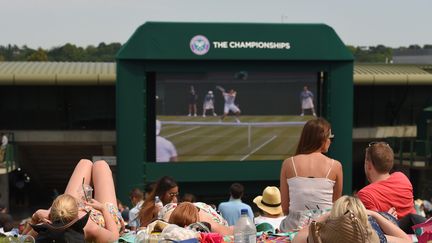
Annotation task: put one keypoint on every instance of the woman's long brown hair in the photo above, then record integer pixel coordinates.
(148, 211)
(313, 136)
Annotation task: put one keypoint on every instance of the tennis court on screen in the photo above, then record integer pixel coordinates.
(255, 138)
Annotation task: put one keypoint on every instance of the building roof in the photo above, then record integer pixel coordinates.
(104, 73)
(391, 74)
(57, 73)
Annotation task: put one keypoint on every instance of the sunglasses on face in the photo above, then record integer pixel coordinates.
(372, 144)
(173, 194)
(331, 135)
(377, 142)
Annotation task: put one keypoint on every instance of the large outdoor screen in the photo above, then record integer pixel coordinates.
(264, 114)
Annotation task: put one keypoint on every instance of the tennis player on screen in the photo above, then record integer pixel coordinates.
(306, 97)
(229, 98)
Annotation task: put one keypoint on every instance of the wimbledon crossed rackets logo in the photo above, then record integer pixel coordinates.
(199, 45)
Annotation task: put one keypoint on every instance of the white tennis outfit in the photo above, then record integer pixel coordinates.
(229, 103)
(208, 102)
(307, 193)
(307, 103)
(307, 99)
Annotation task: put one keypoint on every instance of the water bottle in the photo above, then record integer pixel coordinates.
(244, 229)
(159, 206)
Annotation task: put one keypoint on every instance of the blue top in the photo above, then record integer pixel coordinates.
(231, 210)
(208, 97)
(306, 94)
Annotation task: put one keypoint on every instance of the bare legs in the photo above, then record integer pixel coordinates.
(223, 116)
(82, 170)
(103, 183)
(237, 114)
(313, 112)
(100, 174)
(192, 108)
(205, 111)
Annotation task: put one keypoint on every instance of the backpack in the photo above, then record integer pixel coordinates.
(61, 233)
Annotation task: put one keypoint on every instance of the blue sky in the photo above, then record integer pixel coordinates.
(50, 23)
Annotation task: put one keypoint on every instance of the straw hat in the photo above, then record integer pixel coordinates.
(270, 201)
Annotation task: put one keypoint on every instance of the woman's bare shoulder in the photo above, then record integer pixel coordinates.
(336, 168)
(91, 229)
(337, 164)
(329, 159)
(286, 164)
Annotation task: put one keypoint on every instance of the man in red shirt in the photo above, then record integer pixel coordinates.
(387, 191)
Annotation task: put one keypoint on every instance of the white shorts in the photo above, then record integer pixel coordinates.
(232, 108)
(208, 105)
(307, 103)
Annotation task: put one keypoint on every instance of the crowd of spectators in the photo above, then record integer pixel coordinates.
(308, 200)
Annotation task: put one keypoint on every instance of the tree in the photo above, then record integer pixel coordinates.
(414, 47)
(352, 49)
(39, 55)
(68, 52)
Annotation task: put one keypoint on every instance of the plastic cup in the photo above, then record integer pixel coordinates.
(86, 192)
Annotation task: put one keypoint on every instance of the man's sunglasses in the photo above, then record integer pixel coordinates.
(377, 142)
(372, 144)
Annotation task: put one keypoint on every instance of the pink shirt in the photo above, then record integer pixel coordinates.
(396, 191)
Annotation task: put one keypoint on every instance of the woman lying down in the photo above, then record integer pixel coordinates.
(185, 214)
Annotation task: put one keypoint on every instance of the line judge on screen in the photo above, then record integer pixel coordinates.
(165, 150)
(306, 97)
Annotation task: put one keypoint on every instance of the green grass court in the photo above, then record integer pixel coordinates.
(217, 142)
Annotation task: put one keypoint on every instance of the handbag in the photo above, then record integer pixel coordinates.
(423, 231)
(61, 233)
(345, 228)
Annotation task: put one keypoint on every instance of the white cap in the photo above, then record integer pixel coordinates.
(158, 127)
(210, 92)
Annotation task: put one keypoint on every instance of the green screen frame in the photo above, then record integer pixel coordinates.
(148, 52)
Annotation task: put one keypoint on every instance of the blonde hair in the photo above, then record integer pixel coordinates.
(64, 209)
(353, 204)
(184, 214)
